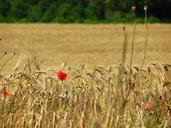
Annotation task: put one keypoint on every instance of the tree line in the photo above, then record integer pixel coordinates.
(83, 11)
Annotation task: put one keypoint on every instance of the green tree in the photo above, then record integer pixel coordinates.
(34, 13)
(4, 9)
(81, 10)
(18, 9)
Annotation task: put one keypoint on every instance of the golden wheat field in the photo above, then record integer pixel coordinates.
(81, 76)
(84, 44)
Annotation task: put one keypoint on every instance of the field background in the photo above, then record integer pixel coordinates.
(82, 44)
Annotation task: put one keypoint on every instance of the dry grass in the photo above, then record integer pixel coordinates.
(106, 96)
(97, 99)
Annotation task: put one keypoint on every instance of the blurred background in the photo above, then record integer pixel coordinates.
(83, 11)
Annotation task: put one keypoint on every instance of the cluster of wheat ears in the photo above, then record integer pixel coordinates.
(120, 96)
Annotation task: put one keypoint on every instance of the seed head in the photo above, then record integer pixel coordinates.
(133, 8)
(145, 8)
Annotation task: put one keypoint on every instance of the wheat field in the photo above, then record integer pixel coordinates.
(84, 44)
(101, 89)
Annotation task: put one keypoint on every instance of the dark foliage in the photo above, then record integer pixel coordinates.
(82, 11)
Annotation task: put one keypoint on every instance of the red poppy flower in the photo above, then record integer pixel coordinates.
(6, 93)
(61, 75)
